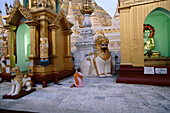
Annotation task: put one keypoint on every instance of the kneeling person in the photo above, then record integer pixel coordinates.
(78, 79)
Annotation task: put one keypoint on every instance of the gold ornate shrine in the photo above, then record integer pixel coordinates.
(31, 21)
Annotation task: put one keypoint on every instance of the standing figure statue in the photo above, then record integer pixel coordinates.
(44, 48)
(44, 51)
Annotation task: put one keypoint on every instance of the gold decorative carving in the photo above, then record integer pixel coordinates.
(157, 61)
(135, 2)
(24, 11)
(87, 7)
(60, 16)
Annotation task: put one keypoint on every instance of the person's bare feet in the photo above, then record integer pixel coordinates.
(72, 86)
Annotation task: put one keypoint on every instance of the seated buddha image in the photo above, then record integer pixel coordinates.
(149, 42)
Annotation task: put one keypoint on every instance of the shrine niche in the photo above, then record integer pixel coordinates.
(157, 22)
(144, 42)
(157, 39)
(38, 31)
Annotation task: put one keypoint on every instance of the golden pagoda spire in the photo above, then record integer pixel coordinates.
(87, 7)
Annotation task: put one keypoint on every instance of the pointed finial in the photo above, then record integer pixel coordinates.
(86, 7)
(10, 6)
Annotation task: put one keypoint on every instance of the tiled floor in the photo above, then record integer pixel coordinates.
(100, 95)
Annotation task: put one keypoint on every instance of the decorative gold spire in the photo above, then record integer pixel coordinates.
(87, 7)
(99, 17)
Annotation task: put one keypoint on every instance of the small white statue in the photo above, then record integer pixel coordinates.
(44, 48)
(19, 81)
(100, 62)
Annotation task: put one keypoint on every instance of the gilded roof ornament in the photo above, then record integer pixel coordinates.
(87, 7)
(24, 11)
(59, 17)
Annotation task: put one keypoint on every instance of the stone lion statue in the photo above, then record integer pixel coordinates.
(19, 81)
(100, 62)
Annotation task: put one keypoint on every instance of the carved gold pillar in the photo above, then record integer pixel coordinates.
(33, 40)
(67, 42)
(9, 32)
(67, 50)
(34, 44)
(33, 37)
(13, 35)
(44, 25)
(31, 3)
(54, 28)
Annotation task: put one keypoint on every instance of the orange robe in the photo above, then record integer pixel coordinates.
(78, 79)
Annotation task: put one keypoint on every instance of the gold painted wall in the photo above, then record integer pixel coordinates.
(60, 52)
(132, 16)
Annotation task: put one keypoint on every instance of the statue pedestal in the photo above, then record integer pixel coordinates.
(21, 94)
(86, 45)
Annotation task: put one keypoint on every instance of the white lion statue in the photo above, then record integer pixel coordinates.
(100, 62)
(19, 81)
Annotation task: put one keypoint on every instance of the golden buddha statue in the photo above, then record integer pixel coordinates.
(149, 42)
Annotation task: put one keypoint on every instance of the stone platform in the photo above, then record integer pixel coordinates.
(100, 95)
